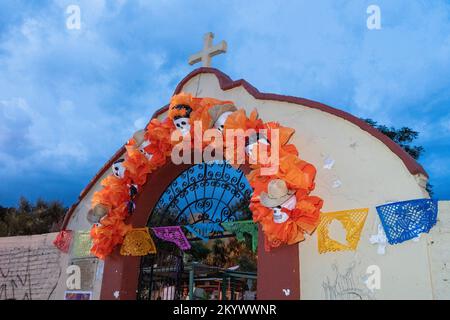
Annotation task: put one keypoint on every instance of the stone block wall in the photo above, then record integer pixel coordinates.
(30, 267)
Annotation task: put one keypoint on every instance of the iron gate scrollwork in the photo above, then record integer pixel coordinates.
(208, 192)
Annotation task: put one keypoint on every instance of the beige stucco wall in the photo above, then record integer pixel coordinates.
(439, 251)
(78, 222)
(370, 175)
(30, 267)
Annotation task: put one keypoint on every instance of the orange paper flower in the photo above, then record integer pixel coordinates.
(106, 238)
(183, 99)
(113, 194)
(297, 173)
(137, 166)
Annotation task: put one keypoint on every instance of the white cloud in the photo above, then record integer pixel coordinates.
(70, 98)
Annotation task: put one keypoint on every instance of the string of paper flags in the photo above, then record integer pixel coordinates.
(282, 203)
(400, 222)
(139, 242)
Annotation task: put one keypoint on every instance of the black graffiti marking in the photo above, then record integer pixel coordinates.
(56, 284)
(3, 275)
(344, 287)
(17, 284)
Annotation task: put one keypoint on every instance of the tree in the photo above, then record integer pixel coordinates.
(231, 252)
(404, 137)
(241, 210)
(28, 219)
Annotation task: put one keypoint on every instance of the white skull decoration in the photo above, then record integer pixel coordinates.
(118, 169)
(221, 120)
(250, 148)
(280, 216)
(182, 124)
(142, 147)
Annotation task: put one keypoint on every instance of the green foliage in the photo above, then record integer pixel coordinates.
(161, 218)
(404, 137)
(198, 251)
(226, 254)
(28, 219)
(243, 209)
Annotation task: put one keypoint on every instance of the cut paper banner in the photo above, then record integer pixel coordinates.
(63, 240)
(406, 220)
(82, 244)
(240, 228)
(336, 183)
(196, 233)
(380, 239)
(173, 234)
(203, 229)
(138, 242)
(328, 163)
(352, 221)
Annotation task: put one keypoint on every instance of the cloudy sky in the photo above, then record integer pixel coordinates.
(70, 98)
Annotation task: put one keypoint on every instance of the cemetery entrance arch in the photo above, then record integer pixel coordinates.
(187, 194)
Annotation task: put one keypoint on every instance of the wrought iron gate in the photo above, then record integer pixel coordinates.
(205, 193)
(162, 274)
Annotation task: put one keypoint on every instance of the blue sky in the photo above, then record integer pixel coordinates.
(70, 98)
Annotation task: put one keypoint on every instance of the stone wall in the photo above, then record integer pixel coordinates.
(30, 267)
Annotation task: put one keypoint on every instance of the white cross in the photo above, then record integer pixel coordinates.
(380, 239)
(208, 51)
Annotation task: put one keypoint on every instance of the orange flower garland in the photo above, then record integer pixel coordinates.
(142, 158)
(115, 193)
(296, 173)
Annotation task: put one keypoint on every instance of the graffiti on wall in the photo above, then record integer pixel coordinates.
(27, 274)
(343, 286)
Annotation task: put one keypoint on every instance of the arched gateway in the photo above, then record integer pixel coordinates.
(188, 195)
(212, 193)
(369, 170)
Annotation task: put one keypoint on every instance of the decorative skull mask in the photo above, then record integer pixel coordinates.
(251, 143)
(118, 169)
(142, 147)
(219, 124)
(278, 215)
(278, 196)
(182, 124)
(182, 121)
(97, 213)
(219, 114)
